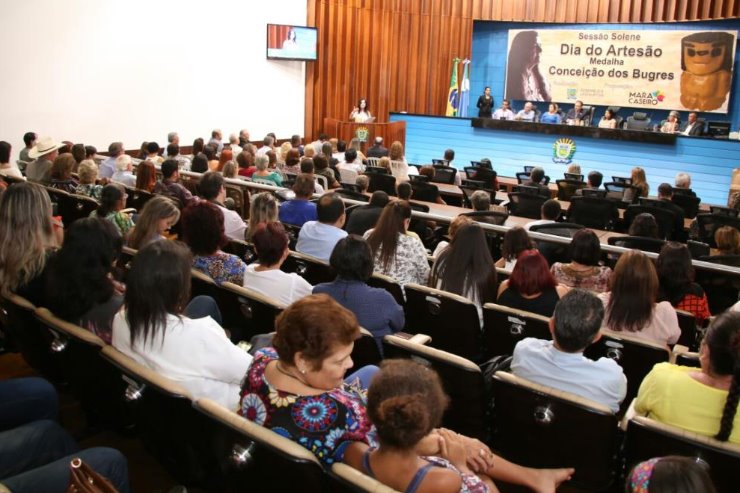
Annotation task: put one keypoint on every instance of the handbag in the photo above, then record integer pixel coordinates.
(84, 479)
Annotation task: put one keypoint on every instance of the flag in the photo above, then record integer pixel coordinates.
(464, 91)
(452, 94)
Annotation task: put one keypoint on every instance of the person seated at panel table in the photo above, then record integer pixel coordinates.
(692, 127)
(552, 115)
(576, 115)
(504, 112)
(560, 363)
(671, 123)
(608, 120)
(528, 114)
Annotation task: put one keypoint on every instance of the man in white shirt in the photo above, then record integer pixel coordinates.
(173, 152)
(211, 188)
(560, 363)
(693, 127)
(108, 167)
(318, 238)
(549, 213)
(172, 138)
(267, 146)
(236, 149)
(124, 171)
(351, 162)
(528, 114)
(504, 112)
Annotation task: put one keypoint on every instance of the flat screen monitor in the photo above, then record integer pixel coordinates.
(291, 42)
(718, 130)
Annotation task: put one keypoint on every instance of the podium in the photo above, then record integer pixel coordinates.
(366, 132)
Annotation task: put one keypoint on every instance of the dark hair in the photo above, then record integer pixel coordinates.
(173, 150)
(379, 198)
(577, 320)
(516, 240)
(203, 228)
(307, 165)
(270, 241)
(314, 326)
(323, 136)
(210, 184)
(90, 151)
(292, 157)
(350, 155)
(327, 150)
(198, 145)
(531, 274)
(644, 225)
(449, 154)
(62, 167)
(244, 159)
(352, 259)
(634, 289)
(169, 167)
(199, 164)
(404, 190)
(595, 178)
(329, 208)
(341, 146)
(537, 174)
(78, 152)
(303, 186)
(665, 190)
(390, 225)
(157, 285)
(115, 148)
(295, 139)
(320, 162)
(723, 341)
(4, 152)
(210, 152)
(675, 272)
(78, 275)
(109, 197)
(551, 209)
(465, 267)
(671, 474)
(152, 147)
(146, 176)
(585, 247)
(405, 402)
(28, 138)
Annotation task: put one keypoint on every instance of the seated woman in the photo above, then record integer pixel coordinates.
(265, 175)
(671, 123)
(631, 304)
(608, 120)
(27, 240)
(584, 270)
(299, 387)
(516, 240)
(199, 164)
(112, 203)
(638, 180)
(701, 400)
(229, 170)
(88, 173)
(405, 402)
(531, 287)
(395, 253)
(146, 176)
(455, 226)
(79, 283)
(183, 345)
(375, 308)
(203, 232)
(552, 115)
(466, 268)
(263, 208)
(644, 225)
(61, 173)
(677, 286)
(674, 474)
(728, 240)
(159, 214)
(264, 276)
(292, 160)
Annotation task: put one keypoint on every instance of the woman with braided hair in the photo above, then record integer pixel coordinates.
(702, 400)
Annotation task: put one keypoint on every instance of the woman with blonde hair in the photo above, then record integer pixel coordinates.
(159, 214)
(728, 240)
(229, 170)
(638, 181)
(283, 153)
(262, 209)
(26, 239)
(403, 170)
(355, 144)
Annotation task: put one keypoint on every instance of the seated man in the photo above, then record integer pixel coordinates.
(683, 184)
(504, 112)
(481, 200)
(318, 238)
(549, 213)
(364, 217)
(124, 171)
(351, 162)
(169, 185)
(560, 363)
(449, 157)
(593, 182)
(535, 180)
(576, 114)
(665, 194)
(212, 189)
(528, 114)
(299, 210)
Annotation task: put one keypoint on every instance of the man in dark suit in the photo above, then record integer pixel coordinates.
(665, 194)
(377, 149)
(535, 180)
(693, 127)
(366, 216)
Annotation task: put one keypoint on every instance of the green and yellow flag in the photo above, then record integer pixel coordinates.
(452, 95)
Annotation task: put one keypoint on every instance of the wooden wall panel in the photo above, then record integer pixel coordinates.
(398, 53)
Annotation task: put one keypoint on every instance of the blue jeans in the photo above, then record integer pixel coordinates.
(203, 306)
(23, 400)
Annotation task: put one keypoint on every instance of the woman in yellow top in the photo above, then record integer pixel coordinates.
(702, 400)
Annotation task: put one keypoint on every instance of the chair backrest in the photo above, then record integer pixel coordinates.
(528, 169)
(709, 223)
(528, 189)
(444, 174)
(637, 243)
(589, 192)
(399, 169)
(636, 356)
(485, 175)
(481, 164)
(567, 188)
(418, 179)
(573, 176)
(489, 217)
(593, 212)
(724, 211)
(138, 198)
(365, 351)
(525, 204)
(378, 280)
(241, 249)
(247, 453)
(521, 177)
(258, 312)
(665, 218)
(461, 378)
(617, 190)
(347, 175)
(537, 426)
(689, 204)
(721, 288)
(504, 327)
(698, 249)
(377, 170)
(76, 207)
(426, 192)
(451, 320)
(310, 268)
(647, 438)
(555, 252)
(638, 121)
(373, 161)
(357, 480)
(439, 162)
(689, 334)
(351, 194)
(386, 183)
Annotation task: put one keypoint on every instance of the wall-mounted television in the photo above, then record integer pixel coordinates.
(291, 42)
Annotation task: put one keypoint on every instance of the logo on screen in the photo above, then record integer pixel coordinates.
(571, 93)
(563, 151)
(659, 95)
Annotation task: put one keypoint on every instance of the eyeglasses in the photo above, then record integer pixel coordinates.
(714, 53)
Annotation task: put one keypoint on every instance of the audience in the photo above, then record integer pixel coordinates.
(211, 188)
(29, 139)
(683, 184)
(265, 277)
(728, 240)
(6, 167)
(455, 225)
(536, 178)
(549, 213)
(672, 474)
(593, 182)
(211, 156)
(644, 225)
(375, 308)
(395, 253)
(263, 175)
(363, 183)
(292, 161)
(79, 282)
(318, 238)
(61, 173)
(631, 305)
(677, 286)
(124, 168)
(88, 173)
(229, 170)
(108, 166)
(665, 194)
(700, 400)
(560, 363)
(146, 176)
(365, 217)
(263, 208)
(245, 161)
(170, 186)
(531, 287)
(637, 180)
(44, 152)
(112, 203)
(321, 167)
(203, 232)
(299, 210)
(584, 270)
(187, 346)
(225, 156)
(516, 240)
(173, 152)
(159, 214)
(152, 153)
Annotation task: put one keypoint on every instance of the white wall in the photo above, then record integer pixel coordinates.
(97, 71)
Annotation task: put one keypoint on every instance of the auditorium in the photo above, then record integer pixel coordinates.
(370, 246)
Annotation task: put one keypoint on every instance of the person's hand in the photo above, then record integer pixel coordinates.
(452, 448)
(479, 456)
(119, 287)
